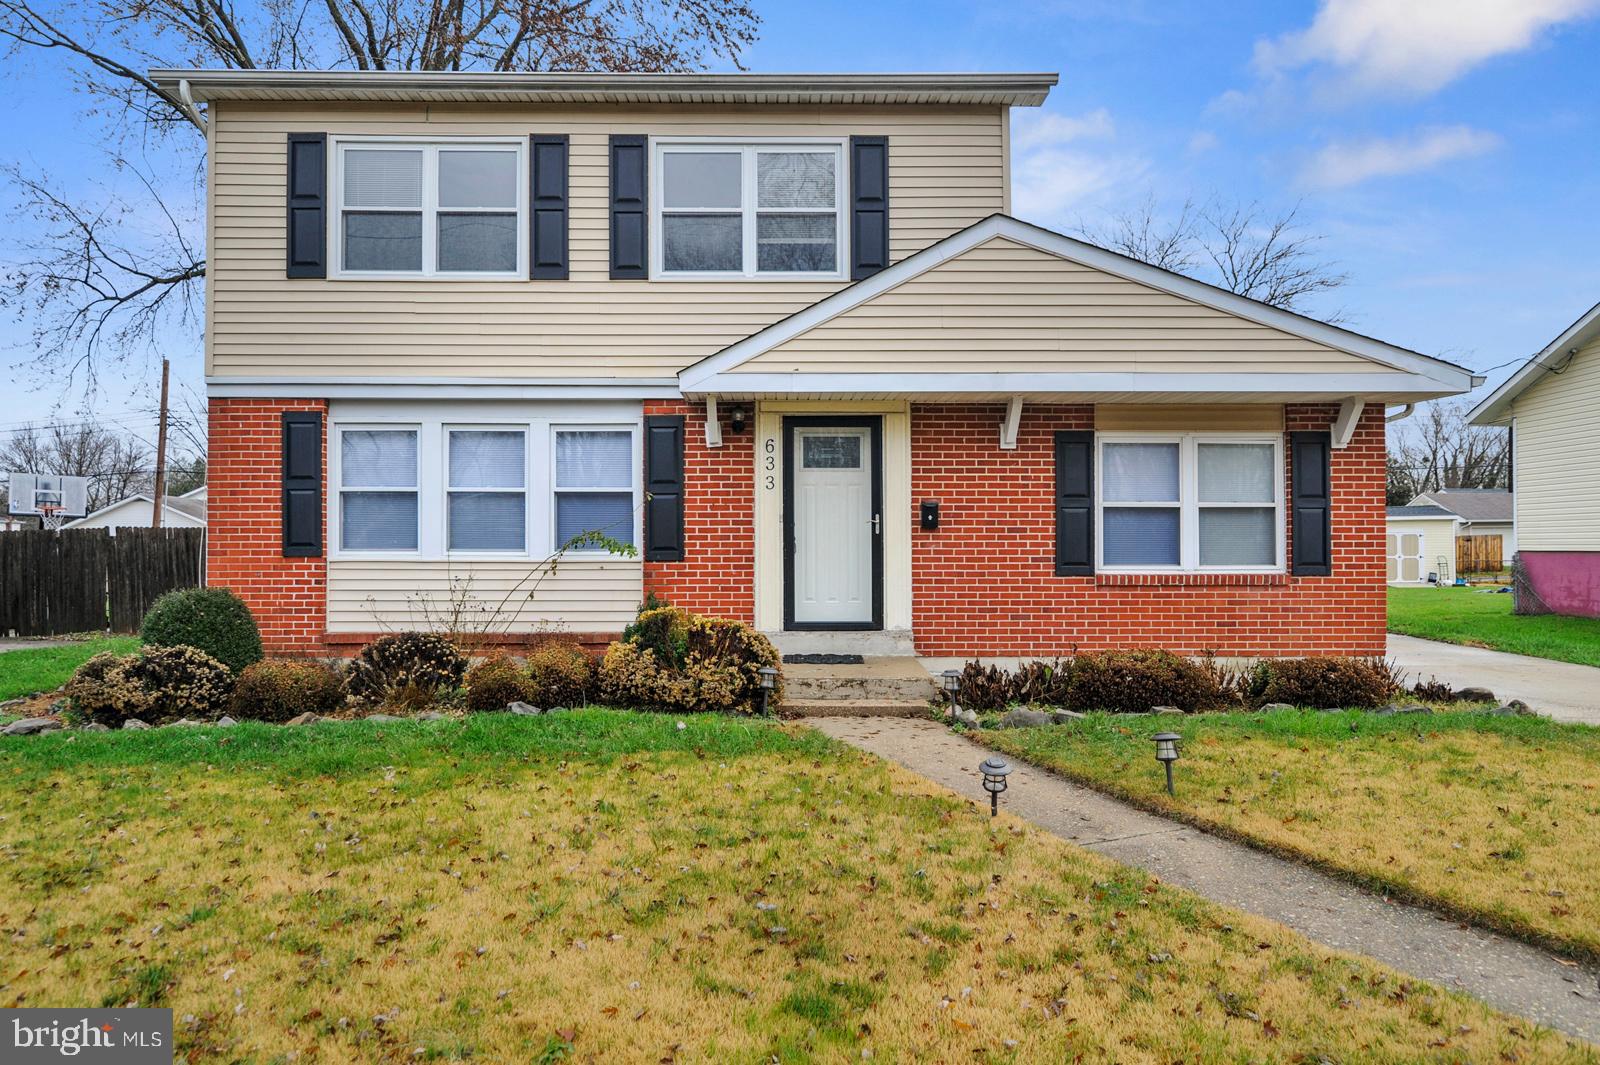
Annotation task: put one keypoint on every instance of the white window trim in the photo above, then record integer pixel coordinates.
(430, 210)
(748, 210)
(636, 450)
(446, 429)
(336, 509)
(432, 425)
(1189, 505)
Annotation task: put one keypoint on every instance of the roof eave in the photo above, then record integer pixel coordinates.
(1495, 408)
(1025, 89)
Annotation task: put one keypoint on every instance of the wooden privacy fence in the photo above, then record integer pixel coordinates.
(1479, 554)
(86, 580)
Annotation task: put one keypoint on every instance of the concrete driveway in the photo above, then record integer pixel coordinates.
(1557, 689)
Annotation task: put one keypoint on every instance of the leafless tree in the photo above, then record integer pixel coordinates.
(1436, 448)
(1240, 247)
(91, 284)
(116, 464)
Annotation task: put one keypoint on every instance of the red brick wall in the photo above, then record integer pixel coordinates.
(984, 582)
(244, 541)
(717, 576)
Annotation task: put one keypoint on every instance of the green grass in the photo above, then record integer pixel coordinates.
(605, 886)
(1479, 619)
(45, 669)
(1496, 819)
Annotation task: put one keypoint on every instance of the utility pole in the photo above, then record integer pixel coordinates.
(160, 493)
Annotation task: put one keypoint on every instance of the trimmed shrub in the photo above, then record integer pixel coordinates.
(561, 674)
(277, 690)
(214, 620)
(496, 682)
(1321, 682)
(1128, 682)
(102, 691)
(675, 660)
(405, 670)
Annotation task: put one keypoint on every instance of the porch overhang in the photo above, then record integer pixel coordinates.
(1129, 387)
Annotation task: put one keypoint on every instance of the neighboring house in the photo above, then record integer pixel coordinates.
(1552, 406)
(1486, 537)
(1421, 544)
(187, 511)
(779, 332)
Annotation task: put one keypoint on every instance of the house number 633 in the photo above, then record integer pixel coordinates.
(769, 462)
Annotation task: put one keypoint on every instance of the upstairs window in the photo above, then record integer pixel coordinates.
(430, 210)
(758, 210)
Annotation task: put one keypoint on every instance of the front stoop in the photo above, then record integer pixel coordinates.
(891, 686)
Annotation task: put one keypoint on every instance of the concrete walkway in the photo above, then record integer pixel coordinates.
(1560, 690)
(1508, 975)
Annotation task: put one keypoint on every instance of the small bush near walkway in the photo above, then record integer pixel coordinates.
(405, 670)
(212, 619)
(671, 659)
(1321, 682)
(158, 685)
(285, 688)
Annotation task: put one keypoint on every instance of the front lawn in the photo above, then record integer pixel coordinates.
(1482, 619)
(1496, 818)
(609, 887)
(42, 669)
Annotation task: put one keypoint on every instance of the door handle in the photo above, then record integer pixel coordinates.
(877, 525)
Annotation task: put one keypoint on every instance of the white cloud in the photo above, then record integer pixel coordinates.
(1345, 163)
(1053, 174)
(1413, 46)
(1203, 141)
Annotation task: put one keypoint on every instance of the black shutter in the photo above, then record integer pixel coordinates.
(869, 206)
(630, 207)
(1310, 458)
(663, 486)
(547, 243)
(1074, 503)
(302, 484)
(308, 205)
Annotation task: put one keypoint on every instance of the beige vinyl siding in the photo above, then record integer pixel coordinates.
(1159, 417)
(946, 171)
(1003, 307)
(581, 596)
(1557, 454)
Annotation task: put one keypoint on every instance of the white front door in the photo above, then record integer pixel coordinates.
(1405, 556)
(834, 525)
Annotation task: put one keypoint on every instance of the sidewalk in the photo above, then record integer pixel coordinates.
(1562, 690)
(1507, 974)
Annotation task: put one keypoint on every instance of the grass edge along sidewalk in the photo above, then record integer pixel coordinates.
(615, 886)
(1493, 820)
(1476, 618)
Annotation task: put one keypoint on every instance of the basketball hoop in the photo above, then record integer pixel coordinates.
(51, 515)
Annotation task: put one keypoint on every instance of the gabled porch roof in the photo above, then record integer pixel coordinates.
(1005, 310)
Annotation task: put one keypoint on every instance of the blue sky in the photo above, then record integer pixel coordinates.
(1448, 150)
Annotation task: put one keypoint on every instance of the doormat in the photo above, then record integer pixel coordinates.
(823, 660)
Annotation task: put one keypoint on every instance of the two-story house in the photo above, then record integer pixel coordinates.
(781, 333)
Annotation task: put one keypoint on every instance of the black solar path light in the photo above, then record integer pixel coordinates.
(995, 771)
(1167, 753)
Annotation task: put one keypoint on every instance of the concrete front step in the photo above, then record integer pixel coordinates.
(853, 708)
(881, 643)
(893, 678)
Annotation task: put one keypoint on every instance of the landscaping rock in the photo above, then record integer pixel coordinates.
(1165, 711)
(183, 721)
(433, 715)
(30, 726)
(307, 718)
(1275, 706)
(1066, 717)
(1024, 719)
(1414, 708)
(1521, 707)
(134, 723)
(384, 718)
(558, 710)
(226, 722)
(95, 726)
(1475, 695)
(967, 717)
(522, 709)
(1386, 711)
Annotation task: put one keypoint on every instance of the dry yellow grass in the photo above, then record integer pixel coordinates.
(658, 907)
(1496, 818)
